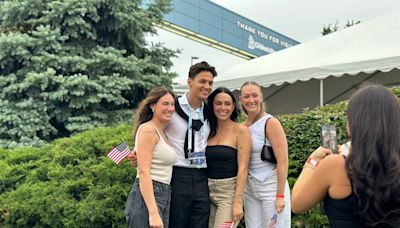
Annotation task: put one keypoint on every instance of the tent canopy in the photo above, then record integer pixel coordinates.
(366, 52)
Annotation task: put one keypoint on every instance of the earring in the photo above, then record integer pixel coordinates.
(152, 110)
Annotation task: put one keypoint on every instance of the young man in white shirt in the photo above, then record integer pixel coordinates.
(190, 201)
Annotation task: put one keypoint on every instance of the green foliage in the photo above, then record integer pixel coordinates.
(69, 182)
(327, 29)
(303, 135)
(68, 66)
(396, 91)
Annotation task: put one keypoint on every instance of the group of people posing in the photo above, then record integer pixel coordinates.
(198, 167)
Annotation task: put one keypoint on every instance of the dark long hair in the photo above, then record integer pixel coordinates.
(212, 117)
(373, 165)
(144, 112)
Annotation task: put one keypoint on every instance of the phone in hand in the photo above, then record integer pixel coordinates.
(329, 137)
(345, 148)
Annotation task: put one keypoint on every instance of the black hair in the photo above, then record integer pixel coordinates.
(212, 118)
(373, 165)
(200, 67)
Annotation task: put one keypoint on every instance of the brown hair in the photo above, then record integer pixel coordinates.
(144, 112)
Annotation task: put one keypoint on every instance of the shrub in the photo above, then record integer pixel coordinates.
(70, 182)
(303, 134)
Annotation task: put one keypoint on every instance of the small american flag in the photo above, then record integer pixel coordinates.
(273, 221)
(118, 153)
(226, 225)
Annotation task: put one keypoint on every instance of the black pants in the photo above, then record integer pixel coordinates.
(190, 199)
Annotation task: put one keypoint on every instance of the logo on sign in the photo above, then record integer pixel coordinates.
(256, 45)
(252, 43)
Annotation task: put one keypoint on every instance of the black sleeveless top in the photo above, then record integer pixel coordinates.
(221, 162)
(342, 212)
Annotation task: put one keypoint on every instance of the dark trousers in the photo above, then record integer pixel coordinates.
(136, 213)
(190, 199)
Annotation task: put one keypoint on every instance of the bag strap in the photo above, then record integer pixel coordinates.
(265, 129)
(183, 114)
(197, 124)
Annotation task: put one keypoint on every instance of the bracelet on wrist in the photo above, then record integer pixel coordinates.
(308, 166)
(280, 196)
(314, 163)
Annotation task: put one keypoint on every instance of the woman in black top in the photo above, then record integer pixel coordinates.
(227, 153)
(362, 190)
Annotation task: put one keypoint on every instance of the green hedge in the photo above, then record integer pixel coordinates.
(303, 135)
(72, 183)
(69, 182)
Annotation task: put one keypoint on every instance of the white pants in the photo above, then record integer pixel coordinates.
(259, 203)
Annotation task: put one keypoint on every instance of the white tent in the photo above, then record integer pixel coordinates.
(325, 70)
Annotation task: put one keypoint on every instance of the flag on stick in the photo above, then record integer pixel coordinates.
(118, 153)
(226, 225)
(273, 221)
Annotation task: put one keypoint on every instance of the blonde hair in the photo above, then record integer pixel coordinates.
(262, 105)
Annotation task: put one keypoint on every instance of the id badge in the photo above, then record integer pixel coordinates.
(197, 159)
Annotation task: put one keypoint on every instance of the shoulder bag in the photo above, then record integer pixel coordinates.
(267, 153)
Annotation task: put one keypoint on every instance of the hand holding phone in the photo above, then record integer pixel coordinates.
(329, 137)
(345, 148)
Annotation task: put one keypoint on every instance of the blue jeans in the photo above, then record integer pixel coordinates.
(136, 213)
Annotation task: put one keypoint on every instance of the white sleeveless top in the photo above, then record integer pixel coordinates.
(164, 157)
(258, 168)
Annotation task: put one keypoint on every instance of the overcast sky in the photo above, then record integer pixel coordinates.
(299, 20)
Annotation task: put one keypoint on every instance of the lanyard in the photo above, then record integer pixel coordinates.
(190, 130)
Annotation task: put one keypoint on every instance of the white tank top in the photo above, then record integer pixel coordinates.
(164, 157)
(258, 168)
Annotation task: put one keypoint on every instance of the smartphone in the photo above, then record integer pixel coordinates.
(329, 137)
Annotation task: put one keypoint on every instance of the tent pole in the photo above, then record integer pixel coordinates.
(321, 92)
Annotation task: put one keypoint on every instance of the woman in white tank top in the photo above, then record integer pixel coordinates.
(267, 194)
(149, 200)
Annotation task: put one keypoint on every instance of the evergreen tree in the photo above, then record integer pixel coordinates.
(327, 29)
(71, 65)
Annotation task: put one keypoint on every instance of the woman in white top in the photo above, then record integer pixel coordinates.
(267, 194)
(149, 200)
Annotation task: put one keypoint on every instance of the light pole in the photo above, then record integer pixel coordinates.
(191, 60)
